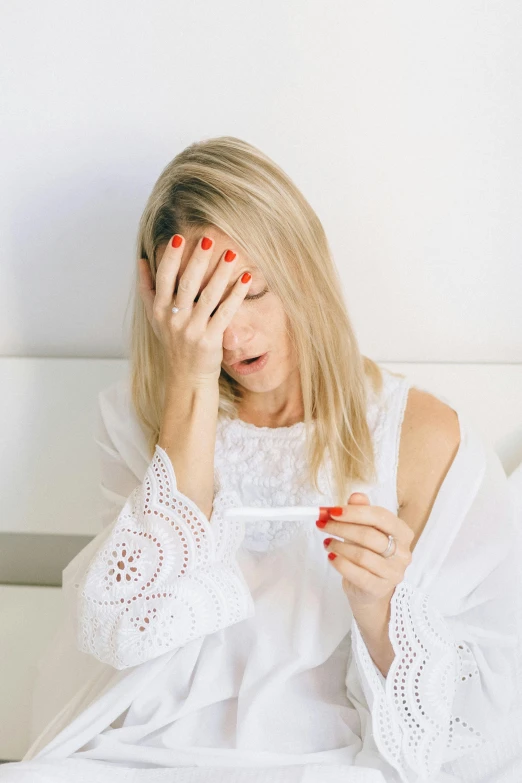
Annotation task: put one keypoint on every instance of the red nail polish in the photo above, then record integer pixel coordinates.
(176, 240)
(321, 522)
(331, 555)
(335, 511)
(327, 541)
(230, 255)
(206, 242)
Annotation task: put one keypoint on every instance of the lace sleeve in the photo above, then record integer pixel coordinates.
(454, 629)
(163, 576)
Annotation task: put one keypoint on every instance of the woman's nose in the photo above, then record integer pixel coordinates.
(236, 333)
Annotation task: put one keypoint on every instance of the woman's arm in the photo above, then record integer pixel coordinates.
(160, 575)
(188, 436)
(453, 626)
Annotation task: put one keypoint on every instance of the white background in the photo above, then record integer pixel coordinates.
(400, 121)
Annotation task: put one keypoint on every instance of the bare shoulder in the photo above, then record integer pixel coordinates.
(430, 438)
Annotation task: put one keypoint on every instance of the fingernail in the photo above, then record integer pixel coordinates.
(331, 555)
(326, 541)
(321, 522)
(230, 255)
(335, 511)
(176, 240)
(206, 242)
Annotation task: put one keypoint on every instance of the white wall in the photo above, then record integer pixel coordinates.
(401, 122)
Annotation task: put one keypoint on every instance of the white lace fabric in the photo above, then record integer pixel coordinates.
(242, 465)
(164, 577)
(266, 466)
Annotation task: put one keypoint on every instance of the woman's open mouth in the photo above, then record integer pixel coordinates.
(251, 365)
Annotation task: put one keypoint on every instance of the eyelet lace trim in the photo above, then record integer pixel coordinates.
(161, 547)
(412, 708)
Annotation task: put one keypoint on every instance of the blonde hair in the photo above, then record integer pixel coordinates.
(232, 185)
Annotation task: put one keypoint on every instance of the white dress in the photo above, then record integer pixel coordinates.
(228, 651)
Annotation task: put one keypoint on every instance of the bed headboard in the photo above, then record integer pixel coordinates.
(49, 489)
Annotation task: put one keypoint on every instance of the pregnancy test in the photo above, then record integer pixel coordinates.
(281, 513)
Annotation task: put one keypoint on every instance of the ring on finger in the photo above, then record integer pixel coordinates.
(177, 309)
(392, 544)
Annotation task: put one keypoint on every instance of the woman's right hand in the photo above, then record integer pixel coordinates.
(192, 339)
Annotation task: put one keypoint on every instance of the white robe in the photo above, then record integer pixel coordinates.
(251, 657)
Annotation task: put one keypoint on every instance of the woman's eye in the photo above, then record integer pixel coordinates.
(257, 296)
(252, 296)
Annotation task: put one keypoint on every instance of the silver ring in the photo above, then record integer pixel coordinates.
(177, 309)
(386, 552)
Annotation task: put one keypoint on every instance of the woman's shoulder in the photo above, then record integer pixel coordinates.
(429, 441)
(430, 435)
(416, 435)
(416, 414)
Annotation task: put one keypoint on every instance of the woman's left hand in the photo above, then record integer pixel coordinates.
(368, 577)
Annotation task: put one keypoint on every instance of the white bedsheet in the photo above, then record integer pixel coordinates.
(88, 771)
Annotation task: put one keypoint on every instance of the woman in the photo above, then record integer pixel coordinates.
(376, 645)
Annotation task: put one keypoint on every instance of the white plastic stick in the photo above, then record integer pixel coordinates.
(286, 513)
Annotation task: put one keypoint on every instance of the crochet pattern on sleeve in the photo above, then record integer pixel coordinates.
(165, 576)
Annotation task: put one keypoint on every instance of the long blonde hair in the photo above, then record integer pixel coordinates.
(232, 185)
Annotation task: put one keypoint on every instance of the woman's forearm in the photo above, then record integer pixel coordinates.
(188, 435)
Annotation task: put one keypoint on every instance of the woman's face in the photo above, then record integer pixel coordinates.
(257, 327)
